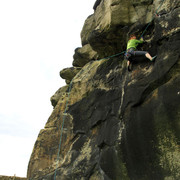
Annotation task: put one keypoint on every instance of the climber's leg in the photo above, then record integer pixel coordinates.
(145, 53)
(150, 57)
(129, 65)
(140, 53)
(128, 58)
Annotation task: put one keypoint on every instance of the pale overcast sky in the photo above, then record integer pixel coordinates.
(37, 40)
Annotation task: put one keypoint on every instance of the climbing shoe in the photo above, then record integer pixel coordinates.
(154, 57)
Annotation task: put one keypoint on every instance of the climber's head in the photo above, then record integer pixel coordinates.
(132, 36)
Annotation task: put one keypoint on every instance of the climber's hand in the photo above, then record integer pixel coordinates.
(141, 39)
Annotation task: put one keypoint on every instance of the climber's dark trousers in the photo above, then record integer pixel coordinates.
(139, 53)
(132, 53)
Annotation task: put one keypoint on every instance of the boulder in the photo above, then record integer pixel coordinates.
(69, 73)
(60, 94)
(88, 26)
(96, 4)
(84, 55)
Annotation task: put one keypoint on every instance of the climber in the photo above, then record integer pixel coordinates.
(131, 51)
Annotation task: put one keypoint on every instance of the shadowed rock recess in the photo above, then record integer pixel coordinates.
(119, 125)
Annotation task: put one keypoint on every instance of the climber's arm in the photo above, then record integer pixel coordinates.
(140, 41)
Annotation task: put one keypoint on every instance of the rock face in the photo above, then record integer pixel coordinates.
(117, 124)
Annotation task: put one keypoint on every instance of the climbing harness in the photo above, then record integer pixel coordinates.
(70, 87)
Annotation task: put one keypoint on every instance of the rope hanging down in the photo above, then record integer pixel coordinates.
(70, 87)
(152, 18)
(60, 139)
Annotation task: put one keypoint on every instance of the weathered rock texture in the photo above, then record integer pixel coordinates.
(119, 125)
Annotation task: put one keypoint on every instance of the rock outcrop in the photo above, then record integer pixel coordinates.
(117, 124)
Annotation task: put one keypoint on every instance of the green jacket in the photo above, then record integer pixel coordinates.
(133, 43)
